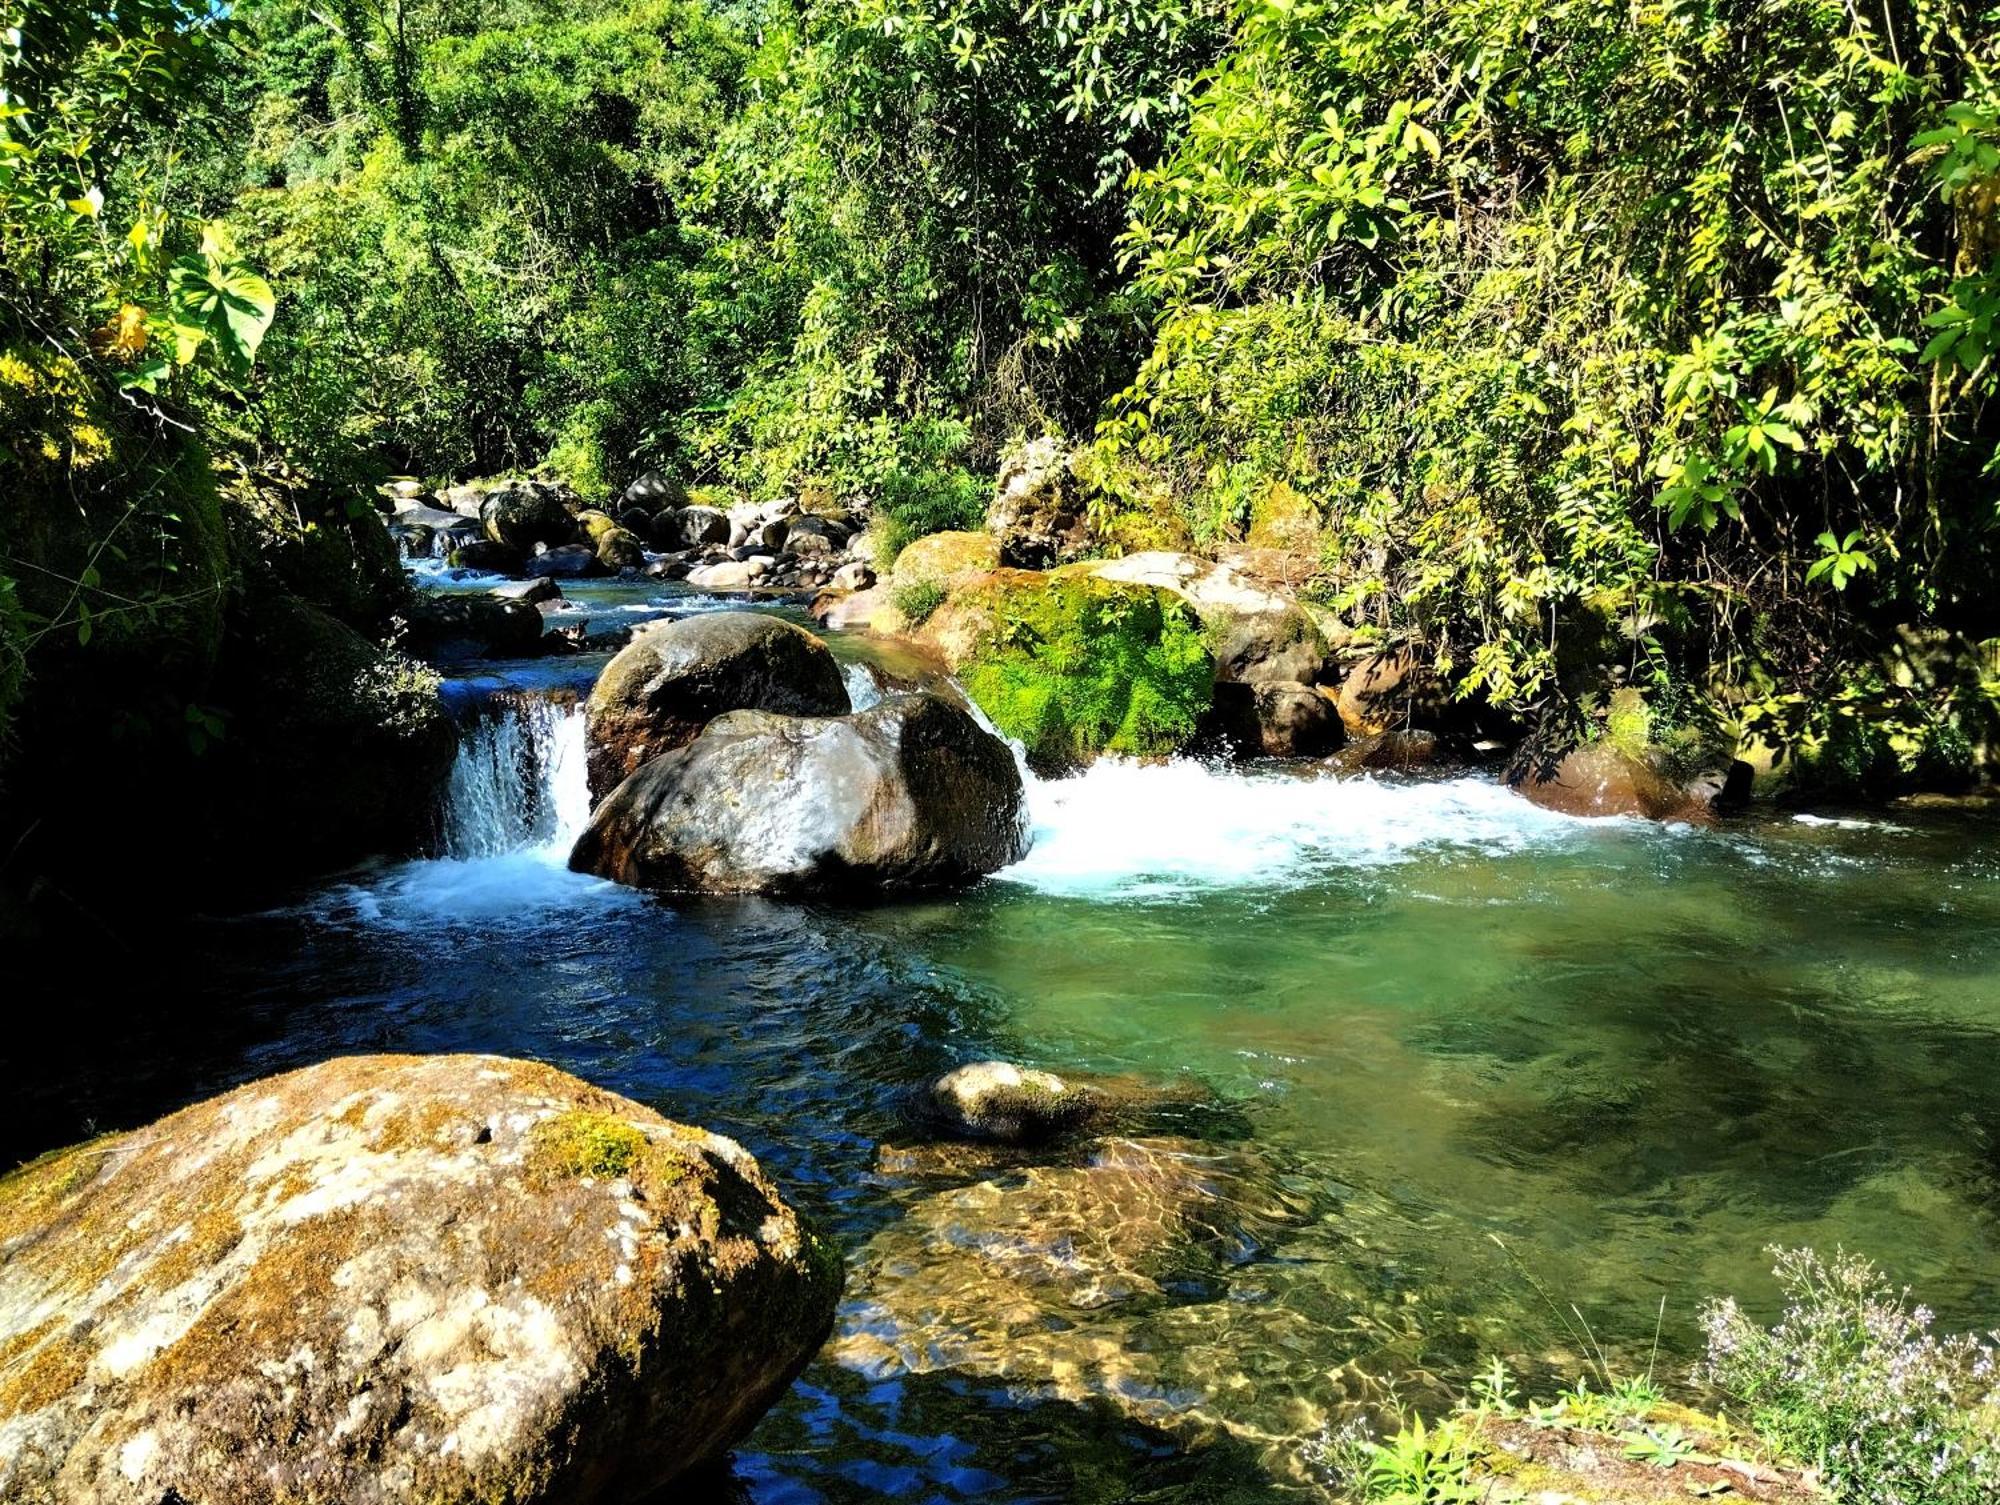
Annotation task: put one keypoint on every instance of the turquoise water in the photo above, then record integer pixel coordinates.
(1442, 1064)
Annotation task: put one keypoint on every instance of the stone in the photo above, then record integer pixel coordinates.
(572, 561)
(735, 574)
(620, 549)
(1273, 719)
(676, 677)
(653, 491)
(1008, 1104)
(444, 628)
(1260, 634)
(944, 559)
(1391, 750)
(488, 557)
(1602, 779)
(537, 592)
(853, 576)
(522, 514)
(701, 525)
(1036, 515)
(910, 794)
(1377, 692)
(382, 1279)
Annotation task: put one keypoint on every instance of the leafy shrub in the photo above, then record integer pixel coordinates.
(918, 600)
(1073, 666)
(1853, 1381)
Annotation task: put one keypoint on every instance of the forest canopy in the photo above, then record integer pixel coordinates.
(1579, 344)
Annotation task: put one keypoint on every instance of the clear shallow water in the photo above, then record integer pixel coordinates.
(1411, 1019)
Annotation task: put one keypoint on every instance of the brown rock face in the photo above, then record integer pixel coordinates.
(1037, 513)
(909, 794)
(1600, 779)
(1377, 692)
(395, 1278)
(674, 678)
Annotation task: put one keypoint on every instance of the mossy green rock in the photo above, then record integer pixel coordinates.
(452, 1279)
(1073, 665)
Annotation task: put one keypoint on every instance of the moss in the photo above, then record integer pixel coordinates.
(1073, 666)
(581, 1143)
(918, 600)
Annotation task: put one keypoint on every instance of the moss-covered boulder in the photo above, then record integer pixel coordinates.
(911, 793)
(396, 1278)
(674, 678)
(1072, 665)
(619, 549)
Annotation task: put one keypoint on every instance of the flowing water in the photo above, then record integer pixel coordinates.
(1443, 1065)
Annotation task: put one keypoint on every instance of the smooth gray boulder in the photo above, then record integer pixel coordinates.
(909, 794)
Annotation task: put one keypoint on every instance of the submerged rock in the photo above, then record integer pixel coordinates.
(1391, 750)
(676, 677)
(395, 1278)
(911, 793)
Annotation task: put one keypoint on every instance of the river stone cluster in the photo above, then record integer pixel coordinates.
(390, 1279)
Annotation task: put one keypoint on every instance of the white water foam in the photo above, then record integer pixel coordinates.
(517, 800)
(1126, 830)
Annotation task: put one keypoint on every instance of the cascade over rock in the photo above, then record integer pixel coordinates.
(384, 1279)
(909, 794)
(674, 678)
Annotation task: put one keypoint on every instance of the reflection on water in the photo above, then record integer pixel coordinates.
(1445, 1043)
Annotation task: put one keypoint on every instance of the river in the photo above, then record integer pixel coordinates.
(1449, 1067)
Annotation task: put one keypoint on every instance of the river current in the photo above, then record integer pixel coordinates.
(1452, 1077)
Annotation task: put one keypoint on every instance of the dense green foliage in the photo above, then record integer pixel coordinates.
(1577, 345)
(1070, 666)
(1595, 332)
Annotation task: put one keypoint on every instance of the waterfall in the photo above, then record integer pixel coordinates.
(518, 782)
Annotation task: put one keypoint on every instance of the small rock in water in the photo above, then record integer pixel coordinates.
(535, 592)
(569, 561)
(1009, 1104)
(452, 1279)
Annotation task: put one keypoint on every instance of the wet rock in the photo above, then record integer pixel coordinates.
(489, 557)
(592, 524)
(676, 677)
(1009, 1104)
(620, 549)
(701, 525)
(1037, 515)
(1378, 692)
(1600, 779)
(909, 794)
(573, 561)
(654, 491)
(853, 576)
(454, 1279)
(539, 592)
(465, 500)
(1275, 720)
(413, 540)
(448, 627)
(816, 536)
(667, 569)
(522, 514)
(1397, 749)
(734, 574)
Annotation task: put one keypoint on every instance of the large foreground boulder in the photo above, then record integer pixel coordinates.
(674, 678)
(390, 1279)
(909, 794)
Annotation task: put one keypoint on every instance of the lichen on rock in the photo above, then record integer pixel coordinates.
(393, 1278)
